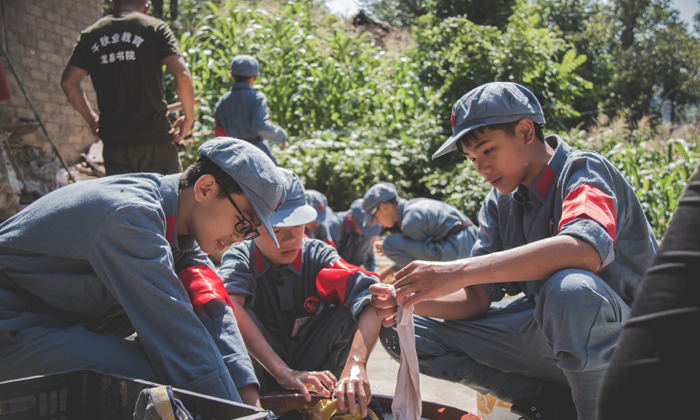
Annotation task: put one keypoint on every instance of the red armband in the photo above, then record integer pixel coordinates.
(219, 131)
(202, 285)
(331, 282)
(588, 202)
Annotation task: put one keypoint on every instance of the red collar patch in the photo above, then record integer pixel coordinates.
(297, 261)
(545, 180)
(170, 224)
(259, 262)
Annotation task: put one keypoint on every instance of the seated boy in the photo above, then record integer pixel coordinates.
(317, 228)
(561, 226)
(91, 263)
(242, 111)
(430, 230)
(353, 239)
(303, 312)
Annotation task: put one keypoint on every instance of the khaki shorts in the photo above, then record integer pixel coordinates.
(160, 158)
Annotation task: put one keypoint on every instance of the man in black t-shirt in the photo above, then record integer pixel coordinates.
(124, 54)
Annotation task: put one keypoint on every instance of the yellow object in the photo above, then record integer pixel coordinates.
(328, 410)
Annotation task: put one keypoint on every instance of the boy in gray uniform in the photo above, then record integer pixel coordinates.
(353, 239)
(317, 228)
(242, 111)
(91, 263)
(430, 230)
(561, 226)
(304, 313)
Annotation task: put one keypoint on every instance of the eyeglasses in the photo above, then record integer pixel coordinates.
(244, 227)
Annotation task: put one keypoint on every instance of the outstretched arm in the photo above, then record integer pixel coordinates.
(538, 260)
(70, 83)
(259, 348)
(185, 93)
(353, 380)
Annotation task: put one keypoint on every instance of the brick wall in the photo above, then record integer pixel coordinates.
(39, 36)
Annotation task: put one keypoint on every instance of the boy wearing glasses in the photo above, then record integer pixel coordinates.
(302, 310)
(430, 230)
(91, 263)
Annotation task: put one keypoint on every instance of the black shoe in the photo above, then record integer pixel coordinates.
(553, 403)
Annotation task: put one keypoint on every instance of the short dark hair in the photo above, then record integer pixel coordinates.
(242, 79)
(204, 166)
(508, 128)
(140, 3)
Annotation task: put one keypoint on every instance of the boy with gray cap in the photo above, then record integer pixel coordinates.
(91, 263)
(304, 313)
(317, 228)
(561, 226)
(242, 111)
(352, 238)
(430, 230)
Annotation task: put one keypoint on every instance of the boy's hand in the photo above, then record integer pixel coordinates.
(303, 381)
(384, 303)
(422, 280)
(379, 248)
(354, 383)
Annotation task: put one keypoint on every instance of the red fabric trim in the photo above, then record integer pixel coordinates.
(545, 181)
(202, 285)
(306, 236)
(219, 131)
(4, 89)
(453, 119)
(297, 261)
(347, 223)
(399, 223)
(588, 202)
(331, 282)
(330, 242)
(170, 224)
(259, 262)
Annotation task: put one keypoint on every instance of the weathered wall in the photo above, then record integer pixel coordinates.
(39, 36)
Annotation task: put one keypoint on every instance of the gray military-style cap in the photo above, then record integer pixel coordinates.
(258, 177)
(319, 202)
(359, 215)
(492, 103)
(293, 211)
(245, 65)
(378, 194)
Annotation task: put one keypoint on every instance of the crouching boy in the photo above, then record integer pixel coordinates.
(430, 230)
(561, 226)
(91, 263)
(303, 312)
(352, 238)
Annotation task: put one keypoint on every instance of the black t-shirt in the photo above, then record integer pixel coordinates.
(123, 54)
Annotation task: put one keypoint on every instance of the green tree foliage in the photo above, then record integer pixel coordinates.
(458, 55)
(403, 13)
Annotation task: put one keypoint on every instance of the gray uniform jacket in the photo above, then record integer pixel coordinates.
(242, 113)
(578, 193)
(428, 233)
(353, 248)
(279, 296)
(104, 248)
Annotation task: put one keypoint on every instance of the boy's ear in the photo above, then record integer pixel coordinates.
(527, 128)
(205, 187)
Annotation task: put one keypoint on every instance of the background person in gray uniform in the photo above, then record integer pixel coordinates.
(317, 229)
(352, 238)
(430, 230)
(242, 111)
(91, 263)
(304, 312)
